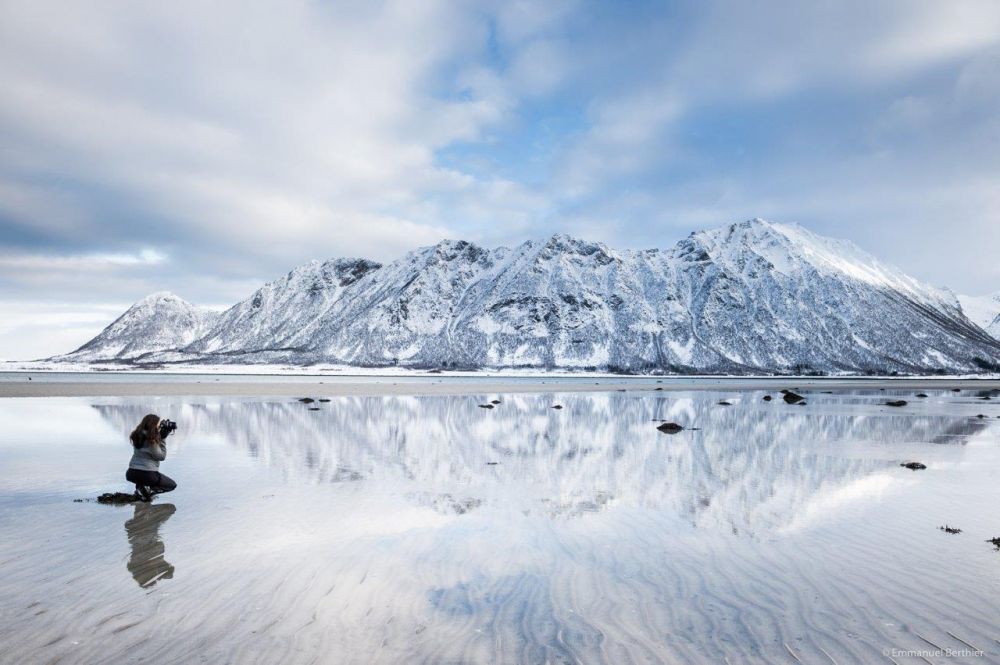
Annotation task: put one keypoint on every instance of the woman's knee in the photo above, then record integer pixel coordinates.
(167, 484)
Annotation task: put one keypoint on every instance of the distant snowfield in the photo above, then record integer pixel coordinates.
(284, 370)
(984, 311)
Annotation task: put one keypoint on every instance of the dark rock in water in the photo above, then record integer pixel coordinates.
(117, 498)
(792, 398)
(949, 529)
(995, 542)
(314, 408)
(896, 402)
(557, 406)
(670, 428)
(306, 400)
(725, 403)
(921, 395)
(492, 463)
(980, 416)
(767, 398)
(485, 406)
(496, 401)
(801, 403)
(914, 466)
(659, 388)
(324, 400)
(956, 390)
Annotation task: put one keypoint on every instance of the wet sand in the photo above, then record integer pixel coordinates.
(423, 529)
(140, 384)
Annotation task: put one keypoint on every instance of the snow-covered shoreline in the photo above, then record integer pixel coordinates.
(278, 381)
(347, 371)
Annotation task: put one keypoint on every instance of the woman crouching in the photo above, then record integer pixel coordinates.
(149, 450)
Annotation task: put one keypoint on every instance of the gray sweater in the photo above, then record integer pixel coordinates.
(148, 457)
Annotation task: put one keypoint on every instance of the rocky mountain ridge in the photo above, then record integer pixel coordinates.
(752, 297)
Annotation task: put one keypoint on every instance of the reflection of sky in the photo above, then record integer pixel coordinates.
(379, 519)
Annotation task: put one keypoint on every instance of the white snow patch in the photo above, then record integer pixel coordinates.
(682, 351)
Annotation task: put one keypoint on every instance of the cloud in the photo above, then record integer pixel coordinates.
(871, 121)
(86, 262)
(218, 122)
(237, 141)
(32, 330)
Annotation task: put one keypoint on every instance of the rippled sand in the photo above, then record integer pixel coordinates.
(405, 529)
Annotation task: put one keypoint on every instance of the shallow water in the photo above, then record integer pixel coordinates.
(426, 529)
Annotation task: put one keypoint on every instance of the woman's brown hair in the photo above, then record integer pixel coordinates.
(147, 432)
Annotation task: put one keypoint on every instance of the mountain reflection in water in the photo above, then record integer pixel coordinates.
(746, 468)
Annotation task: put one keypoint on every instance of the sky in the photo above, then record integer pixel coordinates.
(205, 148)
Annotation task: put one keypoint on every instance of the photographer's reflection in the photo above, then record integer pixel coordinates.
(146, 563)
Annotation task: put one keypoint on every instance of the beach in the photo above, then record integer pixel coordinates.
(398, 520)
(292, 382)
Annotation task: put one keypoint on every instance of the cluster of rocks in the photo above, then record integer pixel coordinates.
(490, 404)
(113, 499)
(310, 400)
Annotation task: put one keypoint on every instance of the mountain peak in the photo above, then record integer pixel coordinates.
(160, 321)
(564, 244)
(565, 240)
(791, 249)
(161, 297)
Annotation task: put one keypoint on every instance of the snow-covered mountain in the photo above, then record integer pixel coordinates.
(984, 311)
(750, 297)
(280, 309)
(158, 322)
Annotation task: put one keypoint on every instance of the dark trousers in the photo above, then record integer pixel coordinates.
(154, 480)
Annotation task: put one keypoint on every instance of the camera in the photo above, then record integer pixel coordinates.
(166, 427)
